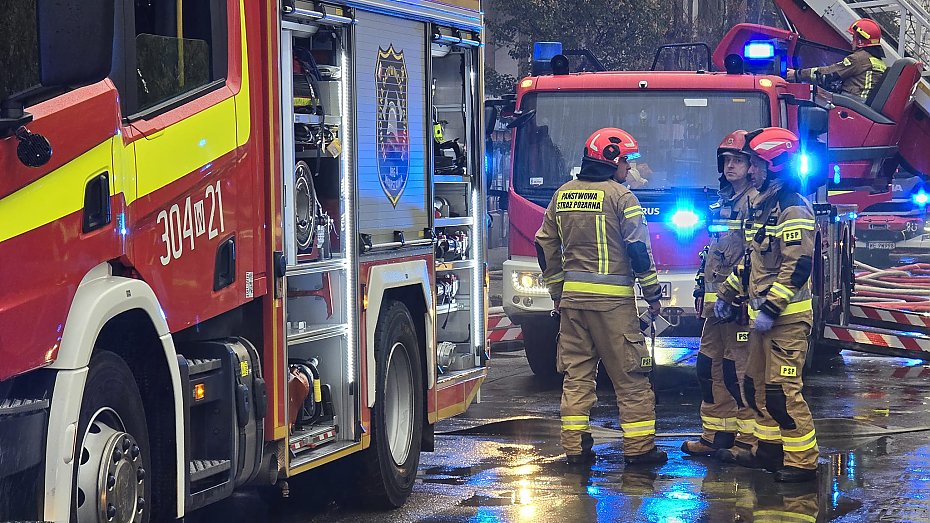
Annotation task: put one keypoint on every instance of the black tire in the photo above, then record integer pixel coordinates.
(111, 397)
(385, 480)
(540, 343)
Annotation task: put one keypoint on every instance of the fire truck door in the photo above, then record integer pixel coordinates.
(189, 177)
(392, 131)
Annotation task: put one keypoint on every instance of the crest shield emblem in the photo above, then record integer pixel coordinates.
(393, 144)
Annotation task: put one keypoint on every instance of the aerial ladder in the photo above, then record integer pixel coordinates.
(876, 317)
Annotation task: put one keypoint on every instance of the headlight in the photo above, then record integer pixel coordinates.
(529, 283)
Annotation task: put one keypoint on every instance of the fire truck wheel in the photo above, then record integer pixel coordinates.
(390, 463)
(111, 466)
(539, 343)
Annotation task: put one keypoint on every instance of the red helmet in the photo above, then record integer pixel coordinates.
(865, 33)
(733, 144)
(609, 145)
(775, 145)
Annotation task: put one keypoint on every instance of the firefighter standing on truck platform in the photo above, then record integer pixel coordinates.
(726, 418)
(781, 228)
(592, 244)
(859, 73)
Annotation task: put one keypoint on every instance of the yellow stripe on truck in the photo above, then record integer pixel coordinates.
(55, 195)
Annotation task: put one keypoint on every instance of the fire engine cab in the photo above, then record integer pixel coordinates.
(239, 240)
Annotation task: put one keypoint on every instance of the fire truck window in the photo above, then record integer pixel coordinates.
(808, 54)
(19, 53)
(678, 134)
(180, 47)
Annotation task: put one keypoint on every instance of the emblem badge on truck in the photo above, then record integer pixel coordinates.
(392, 120)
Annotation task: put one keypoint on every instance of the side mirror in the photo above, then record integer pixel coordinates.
(75, 41)
(491, 113)
(812, 121)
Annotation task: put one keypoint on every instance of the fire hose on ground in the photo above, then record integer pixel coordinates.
(906, 287)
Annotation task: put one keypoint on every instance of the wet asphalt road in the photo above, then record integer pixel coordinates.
(501, 460)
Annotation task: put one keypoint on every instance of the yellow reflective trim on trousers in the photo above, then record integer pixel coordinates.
(710, 297)
(604, 289)
(720, 424)
(57, 194)
(767, 433)
(600, 222)
(792, 308)
(555, 278)
(647, 428)
(575, 423)
(746, 426)
(779, 515)
(800, 444)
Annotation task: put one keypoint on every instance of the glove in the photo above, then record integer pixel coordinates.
(763, 322)
(723, 310)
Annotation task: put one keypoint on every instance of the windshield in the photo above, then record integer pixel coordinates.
(678, 134)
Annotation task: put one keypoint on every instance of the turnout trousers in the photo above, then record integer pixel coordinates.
(726, 417)
(773, 387)
(614, 338)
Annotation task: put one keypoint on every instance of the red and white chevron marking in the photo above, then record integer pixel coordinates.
(892, 316)
(891, 341)
(916, 371)
(500, 328)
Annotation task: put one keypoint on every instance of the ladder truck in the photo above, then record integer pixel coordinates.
(854, 150)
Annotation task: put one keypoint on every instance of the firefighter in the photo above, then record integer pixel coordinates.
(721, 362)
(592, 244)
(777, 281)
(860, 73)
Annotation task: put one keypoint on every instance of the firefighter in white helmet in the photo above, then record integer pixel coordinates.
(592, 246)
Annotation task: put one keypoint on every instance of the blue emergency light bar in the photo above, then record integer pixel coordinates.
(759, 50)
(921, 198)
(544, 51)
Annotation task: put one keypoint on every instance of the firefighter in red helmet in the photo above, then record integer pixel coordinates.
(592, 246)
(726, 417)
(860, 73)
(776, 281)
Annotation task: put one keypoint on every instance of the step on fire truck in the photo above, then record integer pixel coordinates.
(239, 240)
(852, 152)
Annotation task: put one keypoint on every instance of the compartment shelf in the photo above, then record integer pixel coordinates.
(455, 265)
(316, 119)
(332, 264)
(454, 222)
(314, 332)
(451, 178)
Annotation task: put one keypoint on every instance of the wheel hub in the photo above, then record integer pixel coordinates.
(111, 477)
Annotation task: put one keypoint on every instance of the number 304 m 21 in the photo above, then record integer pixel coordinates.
(184, 227)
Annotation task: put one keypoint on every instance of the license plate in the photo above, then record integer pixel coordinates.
(887, 246)
(878, 226)
(666, 290)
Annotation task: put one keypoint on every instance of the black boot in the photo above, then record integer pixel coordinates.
(653, 457)
(740, 456)
(587, 455)
(771, 455)
(795, 475)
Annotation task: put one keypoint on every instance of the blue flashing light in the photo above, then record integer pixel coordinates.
(836, 174)
(632, 156)
(921, 198)
(756, 50)
(544, 51)
(717, 228)
(685, 219)
(804, 165)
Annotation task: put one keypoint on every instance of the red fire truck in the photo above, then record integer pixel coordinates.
(678, 116)
(239, 240)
